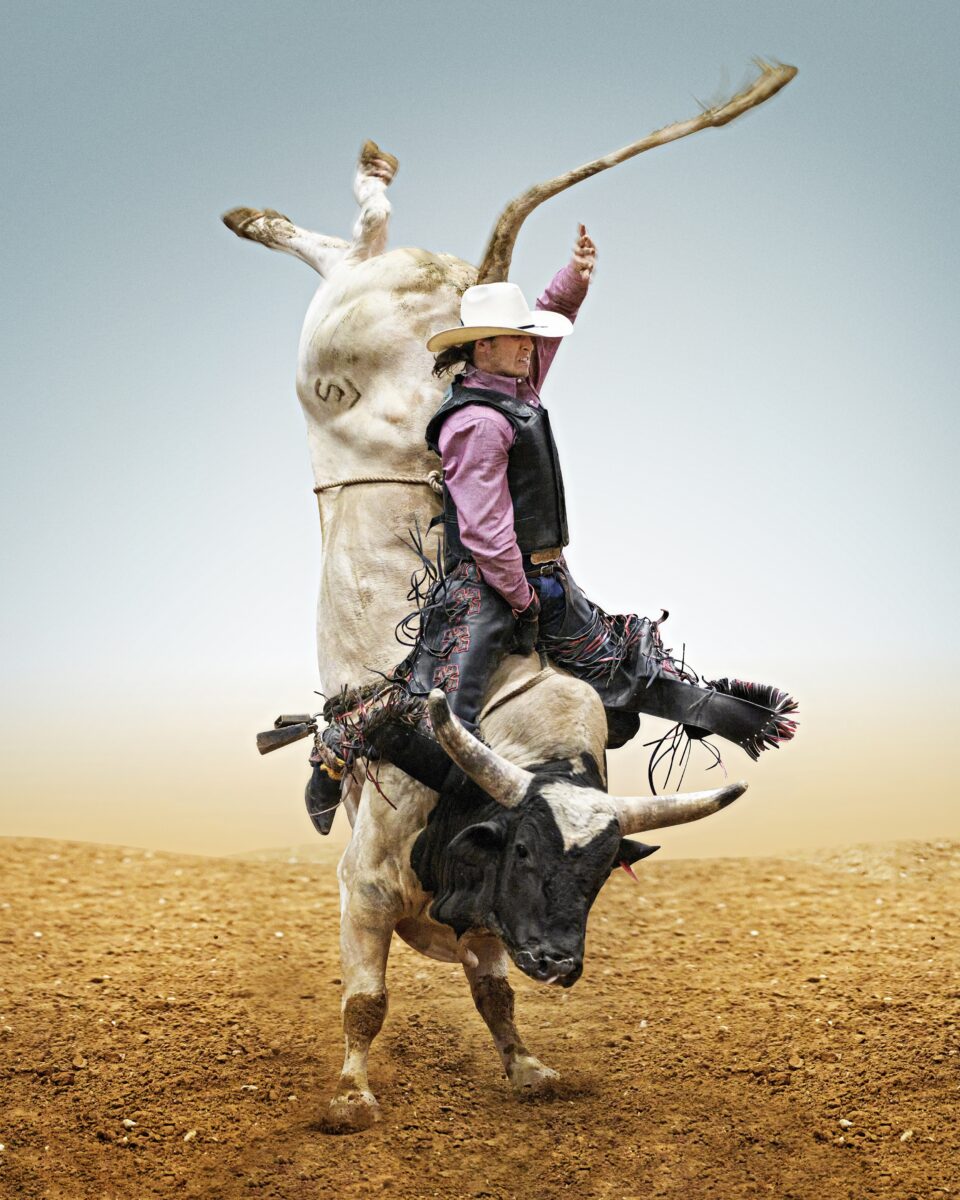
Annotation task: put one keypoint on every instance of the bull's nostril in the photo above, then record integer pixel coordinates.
(546, 968)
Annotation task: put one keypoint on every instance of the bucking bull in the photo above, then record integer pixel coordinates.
(509, 863)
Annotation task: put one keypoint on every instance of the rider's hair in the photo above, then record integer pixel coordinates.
(447, 359)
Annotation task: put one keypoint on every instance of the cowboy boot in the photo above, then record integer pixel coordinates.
(624, 659)
(324, 787)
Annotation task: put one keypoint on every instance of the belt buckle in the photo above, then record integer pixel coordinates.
(539, 557)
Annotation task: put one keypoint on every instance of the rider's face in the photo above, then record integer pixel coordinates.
(507, 354)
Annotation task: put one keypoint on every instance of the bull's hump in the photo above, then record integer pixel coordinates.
(582, 814)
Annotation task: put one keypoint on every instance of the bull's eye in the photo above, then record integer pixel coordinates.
(522, 851)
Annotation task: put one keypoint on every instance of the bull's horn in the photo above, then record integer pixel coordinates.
(496, 259)
(637, 813)
(503, 780)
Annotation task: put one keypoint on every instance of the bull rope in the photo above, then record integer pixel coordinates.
(433, 480)
(518, 690)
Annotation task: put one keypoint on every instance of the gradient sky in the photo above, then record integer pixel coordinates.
(757, 414)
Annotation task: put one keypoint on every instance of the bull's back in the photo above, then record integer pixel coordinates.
(534, 716)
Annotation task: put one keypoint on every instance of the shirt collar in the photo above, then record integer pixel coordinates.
(519, 389)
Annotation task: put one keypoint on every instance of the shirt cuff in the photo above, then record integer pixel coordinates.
(565, 292)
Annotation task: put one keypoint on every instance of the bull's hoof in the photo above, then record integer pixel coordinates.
(377, 163)
(529, 1077)
(266, 226)
(351, 1112)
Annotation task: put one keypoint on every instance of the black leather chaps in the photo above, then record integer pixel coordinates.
(466, 628)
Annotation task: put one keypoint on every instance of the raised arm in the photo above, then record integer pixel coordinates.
(564, 294)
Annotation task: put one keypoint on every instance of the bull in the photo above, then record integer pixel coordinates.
(502, 865)
(507, 864)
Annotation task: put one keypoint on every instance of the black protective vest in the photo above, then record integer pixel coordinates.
(533, 474)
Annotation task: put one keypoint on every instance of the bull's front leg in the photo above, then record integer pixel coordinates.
(493, 997)
(369, 913)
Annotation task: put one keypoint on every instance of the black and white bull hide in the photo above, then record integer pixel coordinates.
(525, 857)
(504, 867)
(515, 868)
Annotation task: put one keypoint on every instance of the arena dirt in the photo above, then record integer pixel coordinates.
(169, 1026)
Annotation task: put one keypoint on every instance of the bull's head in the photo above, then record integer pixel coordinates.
(531, 873)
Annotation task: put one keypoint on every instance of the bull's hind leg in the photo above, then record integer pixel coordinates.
(277, 232)
(493, 997)
(375, 172)
(366, 925)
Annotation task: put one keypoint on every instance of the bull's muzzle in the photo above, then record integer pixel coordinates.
(548, 968)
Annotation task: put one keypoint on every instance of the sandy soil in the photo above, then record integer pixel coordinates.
(748, 1027)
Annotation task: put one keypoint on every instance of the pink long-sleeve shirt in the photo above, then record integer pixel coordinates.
(475, 443)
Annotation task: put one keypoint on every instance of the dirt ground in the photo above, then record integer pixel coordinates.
(169, 1026)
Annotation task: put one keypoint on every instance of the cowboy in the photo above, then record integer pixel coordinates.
(506, 585)
(501, 504)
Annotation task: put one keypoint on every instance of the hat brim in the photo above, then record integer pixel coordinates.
(547, 324)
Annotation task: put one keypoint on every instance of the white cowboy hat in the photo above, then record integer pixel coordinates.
(493, 309)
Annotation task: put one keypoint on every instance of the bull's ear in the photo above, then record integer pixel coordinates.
(483, 838)
(631, 851)
(468, 877)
